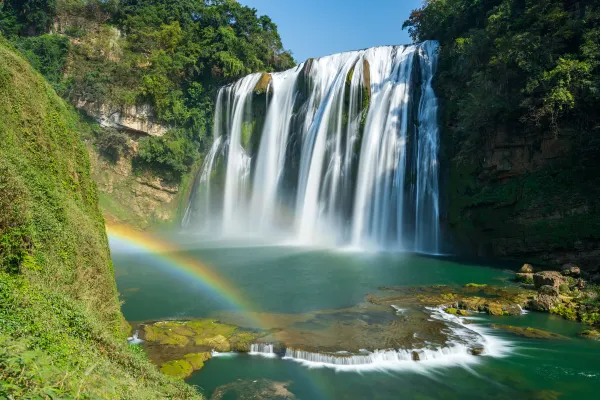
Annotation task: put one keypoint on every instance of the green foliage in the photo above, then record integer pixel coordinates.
(46, 53)
(27, 17)
(522, 73)
(171, 55)
(112, 143)
(170, 155)
(564, 288)
(61, 331)
(567, 311)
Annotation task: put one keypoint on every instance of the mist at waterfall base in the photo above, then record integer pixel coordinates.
(341, 151)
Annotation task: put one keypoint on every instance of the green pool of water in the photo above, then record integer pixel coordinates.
(280, 279)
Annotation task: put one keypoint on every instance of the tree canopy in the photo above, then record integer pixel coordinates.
(169, 54)
(530, 65)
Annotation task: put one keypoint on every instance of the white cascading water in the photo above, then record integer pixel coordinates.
(262, 349)
(347, 154)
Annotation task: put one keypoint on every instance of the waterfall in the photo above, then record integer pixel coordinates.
(341, 149)
(262, 349)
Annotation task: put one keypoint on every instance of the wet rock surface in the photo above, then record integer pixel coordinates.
(550, 278)
(532, 333)
(253, 389)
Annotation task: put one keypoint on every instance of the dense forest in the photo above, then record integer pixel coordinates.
(519, 82)
(169, 55)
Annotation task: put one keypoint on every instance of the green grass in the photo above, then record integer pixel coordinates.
(61, 331)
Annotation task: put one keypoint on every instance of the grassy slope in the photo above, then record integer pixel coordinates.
(61, 331)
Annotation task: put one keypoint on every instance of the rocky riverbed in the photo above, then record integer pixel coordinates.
(406, 320)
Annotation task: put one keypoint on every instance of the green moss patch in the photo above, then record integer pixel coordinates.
(177, 368)
(532, 333)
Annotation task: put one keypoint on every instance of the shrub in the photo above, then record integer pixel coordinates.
(169, 156)
(46, 53)
(111, 143)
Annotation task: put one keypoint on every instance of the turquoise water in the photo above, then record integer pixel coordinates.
(280, 279)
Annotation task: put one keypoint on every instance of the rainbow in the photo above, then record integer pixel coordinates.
(178, 261)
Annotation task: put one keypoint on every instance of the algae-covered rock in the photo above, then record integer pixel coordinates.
(177, 368)
(590, 334)
(218, 343)
(494, 309)
(167, 333)
(451, 310)
(264, 84)
(529, 332)
(197, 359)
(476, 285)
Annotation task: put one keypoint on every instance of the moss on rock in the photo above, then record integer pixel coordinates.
(590, 334)
(529, 332)
(476, 285)
(263, 85)
(177, 368)
(197, 359)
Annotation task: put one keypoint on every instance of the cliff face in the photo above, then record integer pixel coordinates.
(524, 196)
(140, 199)
(62, 333)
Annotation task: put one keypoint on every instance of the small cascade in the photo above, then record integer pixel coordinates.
(262, 349)
(380, 359)
(341, 150)
(135, 338)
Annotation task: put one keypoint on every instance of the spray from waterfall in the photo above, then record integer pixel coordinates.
(341, 149)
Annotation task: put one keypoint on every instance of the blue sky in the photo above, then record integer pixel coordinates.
(314, 28)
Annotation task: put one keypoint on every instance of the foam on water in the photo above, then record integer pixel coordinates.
(457, 351)
(134, 339)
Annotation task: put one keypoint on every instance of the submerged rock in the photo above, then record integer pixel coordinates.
(529, 332)
(253, 389)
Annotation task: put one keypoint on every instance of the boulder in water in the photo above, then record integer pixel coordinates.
(526, 269)
(476, 351)
(544, 302)
(571, 270)
(551, 278)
